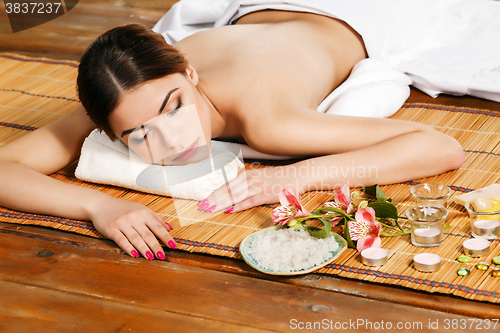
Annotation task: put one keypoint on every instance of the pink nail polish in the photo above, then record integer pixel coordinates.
(135, 254)
(172, 244)
(229, 210)
(160, 255)
(168, 224)
(149, 255)
(202, 203)
(203, 206)
(211, 208)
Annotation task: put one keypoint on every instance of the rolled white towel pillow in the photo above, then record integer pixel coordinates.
(108, 162)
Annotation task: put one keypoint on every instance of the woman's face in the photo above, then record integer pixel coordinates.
(165, 121)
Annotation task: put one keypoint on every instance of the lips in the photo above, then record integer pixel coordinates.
(187, 153)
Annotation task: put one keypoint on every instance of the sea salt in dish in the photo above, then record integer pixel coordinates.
(283, 251)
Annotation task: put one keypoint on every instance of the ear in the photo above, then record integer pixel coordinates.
(191, 73)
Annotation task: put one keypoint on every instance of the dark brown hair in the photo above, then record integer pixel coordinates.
(119, 60)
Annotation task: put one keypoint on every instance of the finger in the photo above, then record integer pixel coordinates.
(223, 191)
(137, 241)
(162, 222)
(239, 191)
(164, 236)
(124, 244)
(253, 201)
(154, 247)
(238, 197)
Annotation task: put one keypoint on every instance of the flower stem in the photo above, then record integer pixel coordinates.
(388, 226)
(397, 234)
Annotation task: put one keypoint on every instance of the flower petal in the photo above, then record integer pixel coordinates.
(343, 197)
(358, 229)
(367, 242)
(283, 214)
(335, 221)
(366, 215)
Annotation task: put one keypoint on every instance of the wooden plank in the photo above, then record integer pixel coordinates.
(367, 290)
(33, 309)
(69, 35)
(190, 291)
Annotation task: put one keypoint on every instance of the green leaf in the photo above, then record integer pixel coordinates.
(347, 235)
(320, 233)
(370, 190)
(376, 191)
(384, 210)
(331, 209)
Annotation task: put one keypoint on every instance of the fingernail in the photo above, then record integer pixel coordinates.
(160, 255)
(172, 244)
(169, 225)
(229, 210)
(211, 208)
(135, 254)
(149, 255)
(203, 204)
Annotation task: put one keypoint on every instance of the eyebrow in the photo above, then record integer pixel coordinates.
(165, 101)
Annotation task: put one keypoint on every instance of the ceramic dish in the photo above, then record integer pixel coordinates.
(245, 246)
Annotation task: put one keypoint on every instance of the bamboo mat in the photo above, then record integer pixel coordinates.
(35, 92)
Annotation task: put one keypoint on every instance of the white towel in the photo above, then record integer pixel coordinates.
(444, 46)
(372, 90)
(109, 162)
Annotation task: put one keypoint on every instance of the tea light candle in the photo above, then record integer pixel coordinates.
(374, 256)
(428, 236)
(486, 228)
(427, 262)
(476, 247)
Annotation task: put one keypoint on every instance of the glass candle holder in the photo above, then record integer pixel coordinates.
(430, 194)
(427, 224)
(483, 224)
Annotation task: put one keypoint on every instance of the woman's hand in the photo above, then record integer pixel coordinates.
(133, 226)
(250, 188)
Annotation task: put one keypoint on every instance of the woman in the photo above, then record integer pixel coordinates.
(253, 82)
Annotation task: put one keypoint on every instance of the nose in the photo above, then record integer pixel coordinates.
(169, 144)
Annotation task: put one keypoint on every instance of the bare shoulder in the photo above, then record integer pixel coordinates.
(51, 147)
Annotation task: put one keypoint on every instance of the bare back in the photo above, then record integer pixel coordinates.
(271, 58)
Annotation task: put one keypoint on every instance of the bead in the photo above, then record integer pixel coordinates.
(464, 258)
(463, 271)
(482, 266)
(496, 260)
(495, 272)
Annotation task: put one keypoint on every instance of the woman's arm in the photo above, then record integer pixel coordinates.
(25, 164)
(358, 152)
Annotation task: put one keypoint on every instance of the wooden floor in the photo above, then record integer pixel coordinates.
(53, 281)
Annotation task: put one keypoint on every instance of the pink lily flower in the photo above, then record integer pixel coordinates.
(366, 230)
(290, 207)
(343, 199)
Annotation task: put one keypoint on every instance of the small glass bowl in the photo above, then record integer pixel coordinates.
(430, 194)
(483, 224)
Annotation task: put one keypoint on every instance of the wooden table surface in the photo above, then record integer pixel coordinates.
(55, 281)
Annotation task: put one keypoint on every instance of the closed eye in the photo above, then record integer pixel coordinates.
(141, 140)
(174, 111)
(171, 113)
